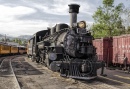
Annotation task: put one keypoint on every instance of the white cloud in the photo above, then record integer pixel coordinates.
(60, 7)
(9, 13)
(16, 28)
(10, 25)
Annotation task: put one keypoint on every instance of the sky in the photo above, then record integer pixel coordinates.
(25, 17)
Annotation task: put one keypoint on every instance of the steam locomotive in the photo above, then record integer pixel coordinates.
(66, 49)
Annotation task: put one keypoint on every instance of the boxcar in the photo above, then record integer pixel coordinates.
(98, 43)
(115, 51)
(121, 50)
(104, 49)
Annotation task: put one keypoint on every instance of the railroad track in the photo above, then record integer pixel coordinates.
(7, 74)
(18, 73)
(1, 61)
(17, 83)
(98, 83)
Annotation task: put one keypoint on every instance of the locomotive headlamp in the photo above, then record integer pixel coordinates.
(81, 24)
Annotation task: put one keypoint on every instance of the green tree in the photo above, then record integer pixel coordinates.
(128, 29)
(108, 21)
(7, 39)
(20, 41)
(24, 43)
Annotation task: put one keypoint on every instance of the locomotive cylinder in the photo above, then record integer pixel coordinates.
(73, 10)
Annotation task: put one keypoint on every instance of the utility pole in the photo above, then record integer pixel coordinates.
(5, 38)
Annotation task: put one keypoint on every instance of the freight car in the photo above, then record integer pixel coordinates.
(6, 49)
(67, 49)
(114, 51)
(104, 50)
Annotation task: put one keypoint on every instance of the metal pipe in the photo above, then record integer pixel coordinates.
(73, 10)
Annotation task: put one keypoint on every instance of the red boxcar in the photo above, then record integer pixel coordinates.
(104, 49)
(115, 51)
(121, 49)
(98, 43)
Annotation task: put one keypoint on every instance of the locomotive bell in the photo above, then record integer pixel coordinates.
(73, 10)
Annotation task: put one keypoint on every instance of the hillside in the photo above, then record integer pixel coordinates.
(26, 37)
(22, 37)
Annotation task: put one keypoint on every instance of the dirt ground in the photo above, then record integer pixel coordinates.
(53, 80)
(31, 75)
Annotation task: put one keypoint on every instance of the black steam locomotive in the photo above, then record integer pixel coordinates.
(67, 49)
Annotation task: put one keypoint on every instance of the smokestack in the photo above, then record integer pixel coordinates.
(73, 10)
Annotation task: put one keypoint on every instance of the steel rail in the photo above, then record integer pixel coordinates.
(16, 80)
(2, 60)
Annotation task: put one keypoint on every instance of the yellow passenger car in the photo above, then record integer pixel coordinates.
(22, 50)
(4, 49)
(14, 50)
